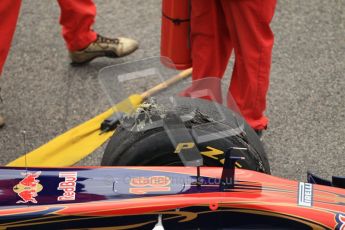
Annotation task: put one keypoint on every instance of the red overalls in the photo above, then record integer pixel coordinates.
(217, 27)
(77, 17)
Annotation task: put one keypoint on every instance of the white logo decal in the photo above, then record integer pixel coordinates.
(68, 186)
(305, 194)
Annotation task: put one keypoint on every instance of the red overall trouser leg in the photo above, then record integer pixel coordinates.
(9, 10)
(77, 17)
(217, 27)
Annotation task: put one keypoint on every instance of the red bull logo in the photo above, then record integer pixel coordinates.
(28, 188)
(68, 186)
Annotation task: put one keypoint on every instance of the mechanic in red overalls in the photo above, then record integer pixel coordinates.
(220, 26)
(77, 18)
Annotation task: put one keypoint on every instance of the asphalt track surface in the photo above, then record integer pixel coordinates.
(45, 96)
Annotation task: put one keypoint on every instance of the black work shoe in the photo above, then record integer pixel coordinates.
(104, 47)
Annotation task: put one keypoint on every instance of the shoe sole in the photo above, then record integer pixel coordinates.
(108, 54)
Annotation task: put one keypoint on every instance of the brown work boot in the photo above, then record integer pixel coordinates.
(2, 121)
(104, 47)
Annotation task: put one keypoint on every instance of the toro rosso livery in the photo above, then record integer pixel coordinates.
(134, 197)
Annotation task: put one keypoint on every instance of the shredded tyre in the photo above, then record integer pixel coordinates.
(137, 142)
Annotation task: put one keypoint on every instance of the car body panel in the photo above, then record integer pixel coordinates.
(133, 197)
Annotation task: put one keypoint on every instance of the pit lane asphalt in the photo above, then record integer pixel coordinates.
(45, 96)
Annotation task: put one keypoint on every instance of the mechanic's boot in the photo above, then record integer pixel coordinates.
(2, 121)
(104, 47)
